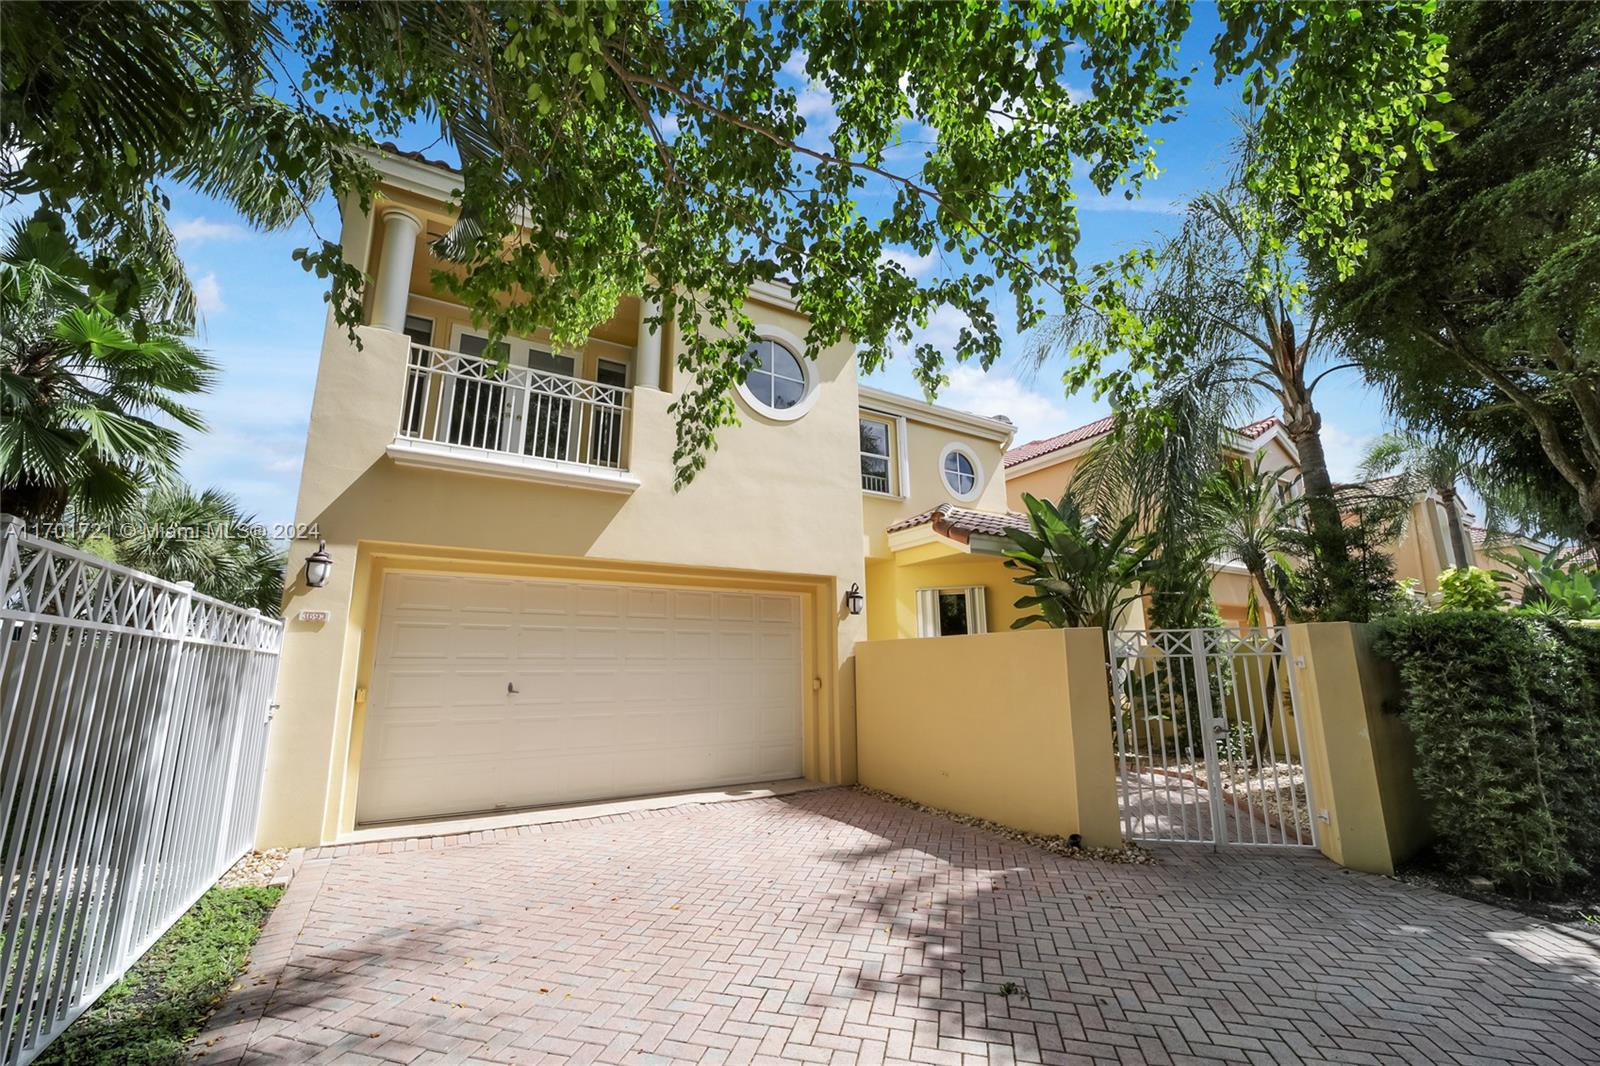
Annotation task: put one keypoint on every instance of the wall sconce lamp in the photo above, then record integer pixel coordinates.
(318, 565)
(853, 598)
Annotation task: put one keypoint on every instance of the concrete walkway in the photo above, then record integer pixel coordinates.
(832, 927)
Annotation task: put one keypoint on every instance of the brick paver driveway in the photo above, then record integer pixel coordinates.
(829, 926)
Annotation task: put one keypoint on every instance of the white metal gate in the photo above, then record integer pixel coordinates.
(1208, 741)
(133, 731)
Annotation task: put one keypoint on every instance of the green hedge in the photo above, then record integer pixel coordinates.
(1505, 710)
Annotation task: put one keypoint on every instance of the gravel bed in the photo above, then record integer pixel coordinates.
(256, 868)
(1056, 845)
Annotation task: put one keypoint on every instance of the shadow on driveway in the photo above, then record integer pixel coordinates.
(831, 926)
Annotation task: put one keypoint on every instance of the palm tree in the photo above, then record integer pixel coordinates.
(1084, 570)
(1155, 466)
(90, 398)
(180, 536)
(1255, 518)
(1421, 463)
(1226, 295)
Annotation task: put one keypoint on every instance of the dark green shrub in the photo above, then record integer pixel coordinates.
(1505, 710)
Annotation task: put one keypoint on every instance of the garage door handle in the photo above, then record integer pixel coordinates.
(511, 689)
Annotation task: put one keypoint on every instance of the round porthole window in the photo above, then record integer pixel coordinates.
(962, 473)
(779, 382)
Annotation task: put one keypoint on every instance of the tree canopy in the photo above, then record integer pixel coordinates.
(1477, 307)
(623, 146)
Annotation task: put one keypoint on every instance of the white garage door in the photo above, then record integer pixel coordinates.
(492, 693)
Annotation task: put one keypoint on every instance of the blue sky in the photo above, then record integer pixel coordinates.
(263, 317)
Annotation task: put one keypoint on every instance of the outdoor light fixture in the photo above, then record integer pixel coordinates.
(318, 565)
(853, 598)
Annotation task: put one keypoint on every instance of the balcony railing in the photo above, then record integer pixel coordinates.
(464, 403)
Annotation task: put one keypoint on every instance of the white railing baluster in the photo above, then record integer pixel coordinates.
(482, 407)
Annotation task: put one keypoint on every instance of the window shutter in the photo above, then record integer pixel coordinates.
(927, 612)
(977, 617)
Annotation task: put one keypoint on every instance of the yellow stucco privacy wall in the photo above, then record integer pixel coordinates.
(1359, 756)
(1014, 727)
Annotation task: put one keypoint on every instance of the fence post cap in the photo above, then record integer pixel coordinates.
(11, 522)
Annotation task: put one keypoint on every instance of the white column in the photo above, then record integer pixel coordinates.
(400, 229)
(647, 351)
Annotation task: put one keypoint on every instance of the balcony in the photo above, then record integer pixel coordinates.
(479, 416)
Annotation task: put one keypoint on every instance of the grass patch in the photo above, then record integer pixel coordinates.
(150, 1015)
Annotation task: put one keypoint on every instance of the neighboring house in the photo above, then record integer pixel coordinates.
(1043, 469)
(522, 610)
(1424, 550)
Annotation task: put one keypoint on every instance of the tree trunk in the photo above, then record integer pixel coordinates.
(1274, 608)
(1322, 508)
(1458, 535)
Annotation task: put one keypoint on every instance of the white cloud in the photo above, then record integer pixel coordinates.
(814, 103)
(795, 65)
(1037, 414)
(943, 328)
(199, 229)
(910, 262)
(208, 294)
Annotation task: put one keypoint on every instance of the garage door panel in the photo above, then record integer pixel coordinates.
(781, 609)
(691, 644)
(693, 605)
(478, 641)
(735, 647)
(736, 607)
(639, 643)
(544, 598)
(460, 734)
(649, 603)
(596, 642)
(602, 601)
(496, 693)
(542, 642)
(411, 638)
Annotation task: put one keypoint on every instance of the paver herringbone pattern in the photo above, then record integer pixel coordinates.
(833, 927)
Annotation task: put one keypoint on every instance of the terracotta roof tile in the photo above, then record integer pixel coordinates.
(395, 149)
(1259, 428)
(1035, 448)
(1099, 428)
(961, 523)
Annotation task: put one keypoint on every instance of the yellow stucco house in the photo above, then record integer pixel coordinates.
(521, 610)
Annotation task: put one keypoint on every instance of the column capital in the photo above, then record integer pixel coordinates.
(398, 213)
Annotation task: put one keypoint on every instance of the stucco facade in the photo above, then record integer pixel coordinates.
(778, 512)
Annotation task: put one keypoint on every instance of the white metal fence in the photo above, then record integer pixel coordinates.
(1208, 741)
(133, 728)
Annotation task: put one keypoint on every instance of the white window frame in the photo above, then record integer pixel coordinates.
(808, 400)
(433, 325)
(979, 477)
(899, 467)
(928, 609)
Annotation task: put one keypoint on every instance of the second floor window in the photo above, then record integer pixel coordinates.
(875, 433)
